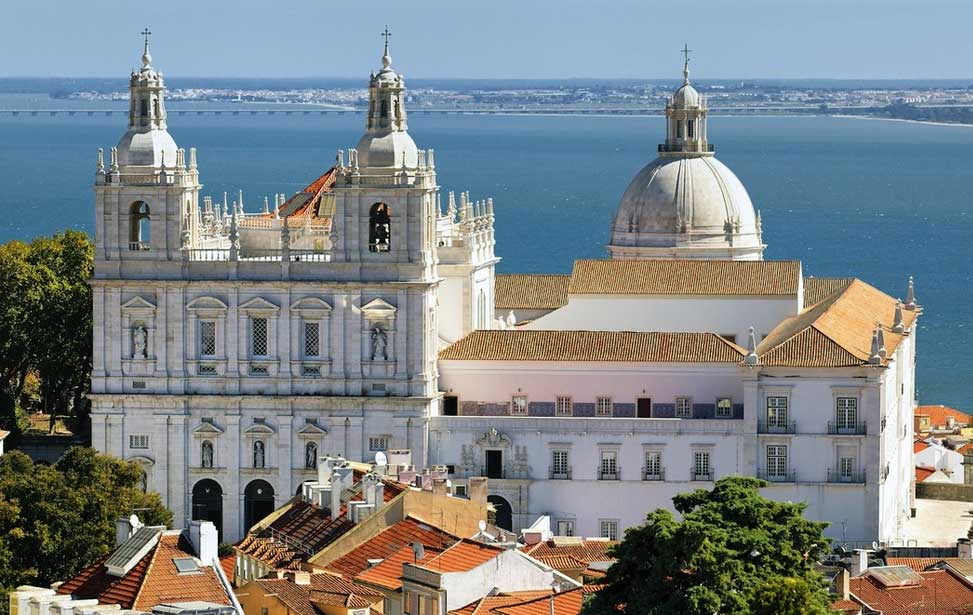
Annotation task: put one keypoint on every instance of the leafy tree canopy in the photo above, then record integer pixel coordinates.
(733, 553)
(54, 520)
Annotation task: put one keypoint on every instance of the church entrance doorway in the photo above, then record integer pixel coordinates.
(494, 464)
(258, 502)
(644, 408)
(208, 503)
(502, 514)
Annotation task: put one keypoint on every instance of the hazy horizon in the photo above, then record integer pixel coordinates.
(505, 39)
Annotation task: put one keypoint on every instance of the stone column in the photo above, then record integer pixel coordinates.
(285, 458)
(232, 489)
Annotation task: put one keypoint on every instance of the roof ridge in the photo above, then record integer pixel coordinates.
(148, 571)
(732, 345)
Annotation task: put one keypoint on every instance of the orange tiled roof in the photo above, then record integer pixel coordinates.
(923, 473)
(837, 332)
(846, 607)
(486, 605)
(939, 414)
(320, 186)
(919, 564)
(940, 593)
(562, 563)
(94, 582)
(530, 291)
(229, 566)
(633, 346)
(685, 277)
(817, 289)
(564, 603)
(326, 589)
(918, 446)
(588, 551)
(388, 541)
(462, 556)
(388, 574)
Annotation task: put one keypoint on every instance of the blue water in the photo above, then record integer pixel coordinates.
(873, 199)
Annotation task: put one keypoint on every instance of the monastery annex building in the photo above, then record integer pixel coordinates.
(234, 349)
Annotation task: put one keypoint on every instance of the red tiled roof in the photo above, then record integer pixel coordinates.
(388, 574)
(463, 555)
(940, 593)
(229, 566)
(846, 607)
(387, 542)
(919, 564)
(486, 606)
(587, 551)
(938, 415)
(923, 473)
(565, 603)
(326, 589)
(95, 582)
(562, 562)
(918, 446)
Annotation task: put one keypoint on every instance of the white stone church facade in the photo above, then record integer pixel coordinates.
(233, 349)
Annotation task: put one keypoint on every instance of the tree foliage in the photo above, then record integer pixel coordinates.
(54, 520)
(45, 321)
(734, 553)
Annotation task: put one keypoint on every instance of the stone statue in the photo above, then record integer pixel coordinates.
(380, 340)
(258, 454)
(311, 456)
(207, 455)
(140, 339)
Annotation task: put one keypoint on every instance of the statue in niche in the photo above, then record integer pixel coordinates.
(140, 336)
(380, 341)
(207, 454)
(258, 454)
(311, 456)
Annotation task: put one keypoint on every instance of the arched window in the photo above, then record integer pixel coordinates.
(144, 111)
(259, 454)
(139, 233)
(311, 456)
(206, 454)
(379, 228)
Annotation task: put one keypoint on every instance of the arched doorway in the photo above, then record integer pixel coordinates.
(502, 514)
(208, 503)
(258, 502)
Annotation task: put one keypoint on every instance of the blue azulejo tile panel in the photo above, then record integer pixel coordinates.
(704, 411)
(584, 409)
(664, 411)
(540, 408)
(624, 411)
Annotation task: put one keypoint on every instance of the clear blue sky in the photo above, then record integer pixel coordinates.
(493, 38)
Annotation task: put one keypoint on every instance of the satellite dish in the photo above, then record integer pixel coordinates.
(874, 546)
(381, 459)
(418, 551)
(449, 484)
(482, 525)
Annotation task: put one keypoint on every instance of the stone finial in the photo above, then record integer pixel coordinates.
(240, 200)
(489, 209)
(162, 161)
(875, 357)
(180, 158)
(422, 159)
(114, 160)
(751, 358)
(431, 160)
(882, 352)
(266, 205)
(101, 160)
(192, 158)
(339, 160)
(511, 319)
(451, 206)
(910, 295)
(897, 325)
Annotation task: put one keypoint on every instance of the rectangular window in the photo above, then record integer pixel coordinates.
(378, 443)
(312, 348)
(138, 441)
(609, 529)
(258, 337)
(207, 338)
(609, 465)
(701, 466)
(518, 405)
(559, 464)
(310, 371)
(603, 407)
(777, 412)
(776, 461)
(563, 407)
(653, 465)
(846, 468)
(847, 412)
(684, 407)
(565, 527)
(724, 408)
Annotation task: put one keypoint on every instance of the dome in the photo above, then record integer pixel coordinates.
(387, 150)
(147, 148)
(686, 96)
(694, 206)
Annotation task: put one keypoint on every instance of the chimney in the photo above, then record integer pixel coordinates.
(950, 422)
(205, 541)
(125, 527)
(439, 487)
(300, 577)
(351, 508)
(532, 537)
(842, 585)
(477, 490)
(859, 562)
(964, 550)
(341, 479)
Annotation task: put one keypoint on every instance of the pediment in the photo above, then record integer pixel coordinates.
(207, 429)
(310, 429)
(378, 307)
(138, 303)
(311, 303)
(258, 429)
(206, 303)
(259, 304)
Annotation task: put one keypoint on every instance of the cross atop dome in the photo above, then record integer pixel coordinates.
(386, 58)
(685, 66)
(146, 57)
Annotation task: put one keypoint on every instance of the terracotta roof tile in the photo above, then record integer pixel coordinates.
(388, 574)
(923, 473)
(918, 446)
(634, 346)
(462, 556)
(846, 607)
(564, 603)
(94, 582)
(940, 593)
(817, 289)
(530, 291)
(919, 564)
(587, 551)
(325, 589)
(486, 605)
(685, 277)
(562, 563)
(939, 414)
(385, 543)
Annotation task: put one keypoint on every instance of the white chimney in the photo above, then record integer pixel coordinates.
(859, 562)
(205, 541)
(964, 550)
(350, 511)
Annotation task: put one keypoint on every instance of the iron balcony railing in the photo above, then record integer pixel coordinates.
(787, 476)
(605, 474)
(787, 427)
(853, 477)
(654, 474)
(700, 473)
(845, 428)
(562, 473)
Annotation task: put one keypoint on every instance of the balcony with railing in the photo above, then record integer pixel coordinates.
(608, 473)
(852, 477)
(776, 427)
(139, 246)
(705, 474)
(778, 476)
(847, 428)
(559, 473)
(654, 474)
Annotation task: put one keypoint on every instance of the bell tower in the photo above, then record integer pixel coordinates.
(146, 196)
(686, 120)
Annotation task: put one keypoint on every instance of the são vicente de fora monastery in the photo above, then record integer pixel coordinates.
(233, 350)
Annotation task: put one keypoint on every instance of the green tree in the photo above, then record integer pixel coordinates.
(733, 553)
(54, 520)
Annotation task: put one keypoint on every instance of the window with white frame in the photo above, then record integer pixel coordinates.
(777, 411)
(603, 406)
(702, 470)
(609, 529)
(846, 468)
(724, 408)
(563, 406)
(847, 412)
(559, 463)
(312, 339)
(776, 460)
(207, 338)
(378, 443)
(684, 407)
(565, 527)
(138, 441)
(608, 469)
(258, 337)
(518, 405)
(653, 465)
